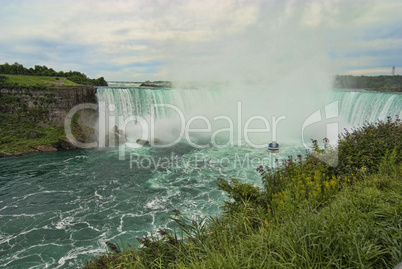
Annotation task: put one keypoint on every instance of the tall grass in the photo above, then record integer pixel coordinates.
(308, 215)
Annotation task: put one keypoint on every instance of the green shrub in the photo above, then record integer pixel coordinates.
(308, 214)
(363, 149)
(240, 193)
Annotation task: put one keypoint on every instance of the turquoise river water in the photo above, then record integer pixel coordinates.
(58, 209)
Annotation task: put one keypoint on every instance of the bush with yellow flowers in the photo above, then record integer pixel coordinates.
(299, 183)
(306, 215)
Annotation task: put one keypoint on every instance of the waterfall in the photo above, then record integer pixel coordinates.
(137, 101)
(172, 108)
(165, 109)
(359, 107)
(355, 107)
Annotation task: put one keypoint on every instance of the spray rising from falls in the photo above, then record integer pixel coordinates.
(217, 114)
(135, 109)
(224, 116)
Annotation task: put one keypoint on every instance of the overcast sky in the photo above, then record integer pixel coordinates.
(184, 39)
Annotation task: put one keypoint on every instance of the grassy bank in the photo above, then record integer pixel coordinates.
(27, 128)
(42, 81)
(29, 109)
(43, 71)
(308, 215)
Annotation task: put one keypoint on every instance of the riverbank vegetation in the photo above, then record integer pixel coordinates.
(32, 103)
(26, 129)
(22, 76)
(369, 83)
(309, 214)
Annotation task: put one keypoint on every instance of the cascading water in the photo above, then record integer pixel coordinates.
(354, 108)
(58, 209)
(166, 107)
(359, 107)
(137, 100)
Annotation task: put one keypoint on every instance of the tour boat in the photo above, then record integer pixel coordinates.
(273, 147)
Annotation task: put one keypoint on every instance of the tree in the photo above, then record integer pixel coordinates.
(16, 68)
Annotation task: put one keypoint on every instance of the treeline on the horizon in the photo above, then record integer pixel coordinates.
(371, 83)
(42, 70)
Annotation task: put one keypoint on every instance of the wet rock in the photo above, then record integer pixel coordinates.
(115, 137)
(45, 148)
(147, 142)
(5, 154)
(142, 142)
(64, 144)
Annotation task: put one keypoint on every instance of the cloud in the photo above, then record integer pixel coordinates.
(374, 71)
(200, 39)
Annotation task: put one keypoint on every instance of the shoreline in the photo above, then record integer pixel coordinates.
(62, 145)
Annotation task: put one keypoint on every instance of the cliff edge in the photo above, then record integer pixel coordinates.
(32, 118)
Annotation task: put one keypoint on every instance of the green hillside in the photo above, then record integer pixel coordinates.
(25, 80)
(44, 71)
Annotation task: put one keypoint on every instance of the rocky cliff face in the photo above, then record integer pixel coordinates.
(57, 101)
(32, 119)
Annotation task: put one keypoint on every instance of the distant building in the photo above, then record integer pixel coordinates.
(393, 70)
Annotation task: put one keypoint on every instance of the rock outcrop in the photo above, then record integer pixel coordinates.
(58, 101)
(32, 113)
